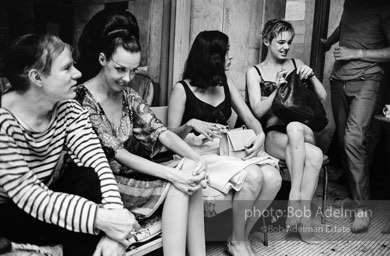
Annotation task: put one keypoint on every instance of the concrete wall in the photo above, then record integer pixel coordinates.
(241, 21)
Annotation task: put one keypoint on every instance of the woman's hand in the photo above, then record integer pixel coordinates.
(109, 247)
(209, 130)
(281, 77)
(201, 166)
(254, 146)
(305, 72)
(186, 181)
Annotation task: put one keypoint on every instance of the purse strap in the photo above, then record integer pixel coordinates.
(293, 61)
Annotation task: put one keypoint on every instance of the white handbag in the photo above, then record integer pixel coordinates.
(233, 142)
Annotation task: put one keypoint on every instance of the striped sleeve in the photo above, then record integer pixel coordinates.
(20, 184)
(85, 149)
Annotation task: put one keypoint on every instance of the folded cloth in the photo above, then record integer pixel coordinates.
(225, 172)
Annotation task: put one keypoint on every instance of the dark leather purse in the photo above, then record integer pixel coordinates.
(295, 101)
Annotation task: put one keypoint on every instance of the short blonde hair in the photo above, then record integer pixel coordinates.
(31, 51)
(274, 27)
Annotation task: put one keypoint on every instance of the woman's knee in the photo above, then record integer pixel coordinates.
(254, 178)
(188, 165)
(177, 196)
(295, 128)
(271, 176)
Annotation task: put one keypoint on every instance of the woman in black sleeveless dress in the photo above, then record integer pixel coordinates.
(199, 108)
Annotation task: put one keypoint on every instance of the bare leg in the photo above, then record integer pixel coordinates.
(195, 230)
(182, 221)
(243, 200)
(299, 137)
(295, 160)
(313, 163)
(271, 186)
(174, 222)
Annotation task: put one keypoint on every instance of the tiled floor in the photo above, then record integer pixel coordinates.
(335, 236)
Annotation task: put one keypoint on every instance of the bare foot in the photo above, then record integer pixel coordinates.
(361, 222)
(308, 234)
(292, 220)
(386, 229)
(344, 203)
(237, 248)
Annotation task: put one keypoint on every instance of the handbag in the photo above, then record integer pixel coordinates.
(233, 142)
(295, 101)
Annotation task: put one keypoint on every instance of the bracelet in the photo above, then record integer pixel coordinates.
(311, 75)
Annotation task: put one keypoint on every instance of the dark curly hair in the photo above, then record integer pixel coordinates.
(90, 43)
(205, 65)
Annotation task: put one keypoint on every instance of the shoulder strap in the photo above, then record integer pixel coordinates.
(258, 71)
(295, 65)
(186, 87)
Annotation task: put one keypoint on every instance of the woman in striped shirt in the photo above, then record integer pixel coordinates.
(37, 123)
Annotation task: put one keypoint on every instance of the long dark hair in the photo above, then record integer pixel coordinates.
(92, 37)
(205, 65)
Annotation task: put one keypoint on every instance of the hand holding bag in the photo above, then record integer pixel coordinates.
(295, 101)
(233, 142)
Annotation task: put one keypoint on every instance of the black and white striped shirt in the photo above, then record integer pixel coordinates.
(28, 159)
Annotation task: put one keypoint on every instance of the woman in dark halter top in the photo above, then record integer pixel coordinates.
(199, 107)
(293, 142)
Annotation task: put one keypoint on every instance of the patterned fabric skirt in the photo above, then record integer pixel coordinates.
(143, 194)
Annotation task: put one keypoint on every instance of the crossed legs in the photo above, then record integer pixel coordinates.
(304, 161)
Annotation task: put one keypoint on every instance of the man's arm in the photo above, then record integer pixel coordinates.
(331, 40)
(372, 55)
